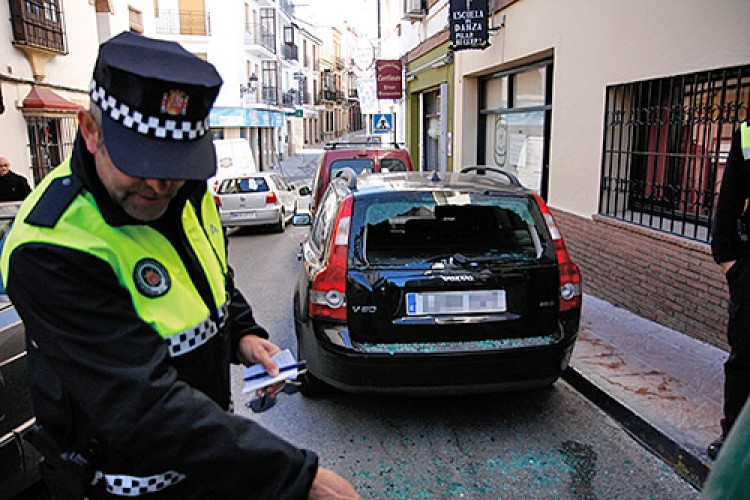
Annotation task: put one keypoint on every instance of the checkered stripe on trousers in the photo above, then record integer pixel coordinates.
(146, 125)
(185, 341)
(134, 486)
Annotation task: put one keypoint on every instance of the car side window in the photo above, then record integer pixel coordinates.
(279, 182)
(323, 225)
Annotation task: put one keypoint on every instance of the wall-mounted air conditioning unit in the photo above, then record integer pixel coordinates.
(414, 9)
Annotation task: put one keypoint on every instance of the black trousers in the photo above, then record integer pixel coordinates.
(737, 366)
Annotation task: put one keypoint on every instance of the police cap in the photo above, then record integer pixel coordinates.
(155, 97)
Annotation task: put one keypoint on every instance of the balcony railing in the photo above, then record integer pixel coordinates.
(289, 52)
(183, 22)
(269, 95)
(257, 34)
(38, 24)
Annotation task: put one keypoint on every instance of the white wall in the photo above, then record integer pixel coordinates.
(597, 43)
(67, 75)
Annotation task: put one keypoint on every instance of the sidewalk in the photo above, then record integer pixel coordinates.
(663, 386)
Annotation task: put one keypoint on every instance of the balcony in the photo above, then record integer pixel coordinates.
(38, 24)
(257, 34)
(269, 95)
(289, 52)
(183, 22)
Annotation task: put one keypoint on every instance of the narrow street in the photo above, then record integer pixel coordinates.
(551, 443)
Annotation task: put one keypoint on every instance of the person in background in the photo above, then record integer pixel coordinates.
(731, 250)
(13, 187)
(117, 265)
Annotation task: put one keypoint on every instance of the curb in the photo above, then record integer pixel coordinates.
(685, 463)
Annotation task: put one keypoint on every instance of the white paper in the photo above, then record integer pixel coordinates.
(282, 359)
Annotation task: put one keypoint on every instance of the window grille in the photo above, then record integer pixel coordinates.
(51, 140)
(38, 23)
(665, 145)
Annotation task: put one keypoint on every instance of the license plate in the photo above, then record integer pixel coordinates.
(469, 302)
(243, 215)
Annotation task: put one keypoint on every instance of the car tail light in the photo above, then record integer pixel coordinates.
(570, 275)
(271, 198)
(328, 289)
(218, 201)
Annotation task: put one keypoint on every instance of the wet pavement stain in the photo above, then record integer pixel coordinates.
(581, 458)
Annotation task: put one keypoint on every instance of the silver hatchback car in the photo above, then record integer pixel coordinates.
(258, 199)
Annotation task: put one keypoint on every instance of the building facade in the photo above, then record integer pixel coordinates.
(620, 115)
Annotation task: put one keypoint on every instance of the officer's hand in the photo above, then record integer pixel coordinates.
(328, 484)
(253, 349)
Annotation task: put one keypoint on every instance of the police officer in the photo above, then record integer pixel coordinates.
(117, 266)
(730, 250)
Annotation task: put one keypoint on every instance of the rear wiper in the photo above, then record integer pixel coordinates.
(450, 259)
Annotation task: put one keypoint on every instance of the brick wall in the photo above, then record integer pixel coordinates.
(673, 281)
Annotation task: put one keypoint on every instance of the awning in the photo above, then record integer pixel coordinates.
(43, 99)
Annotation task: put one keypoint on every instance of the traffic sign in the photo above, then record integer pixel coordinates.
(382, 123)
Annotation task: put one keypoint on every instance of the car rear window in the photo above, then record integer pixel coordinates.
(243, 185)
(392, 165)
(359, 165)
(425, 227)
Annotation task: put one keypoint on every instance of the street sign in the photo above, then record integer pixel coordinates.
(382, 123)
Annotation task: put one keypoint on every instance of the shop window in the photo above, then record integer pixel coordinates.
(665, 144)
(515, 110)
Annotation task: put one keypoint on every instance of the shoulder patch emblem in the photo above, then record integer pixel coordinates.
(151, 278)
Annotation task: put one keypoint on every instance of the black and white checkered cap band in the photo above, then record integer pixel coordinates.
(151, 126)
(135, 486)
(185, 341)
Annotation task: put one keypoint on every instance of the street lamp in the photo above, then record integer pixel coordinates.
(251, 87)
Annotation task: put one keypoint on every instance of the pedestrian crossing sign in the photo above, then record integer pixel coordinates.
(382, 123)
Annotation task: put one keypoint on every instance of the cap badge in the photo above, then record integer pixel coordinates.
(174, 102)
(151, 278)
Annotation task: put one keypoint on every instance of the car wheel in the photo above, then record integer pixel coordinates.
(281, 225)
(312, 387)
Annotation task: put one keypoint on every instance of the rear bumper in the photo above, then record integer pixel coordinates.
(250, 217)
(455, 367)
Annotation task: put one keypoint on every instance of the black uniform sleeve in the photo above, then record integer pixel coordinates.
(241, 319)
(116, 370)
(735, 184)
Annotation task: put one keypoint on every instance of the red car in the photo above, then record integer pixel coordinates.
(364, 157)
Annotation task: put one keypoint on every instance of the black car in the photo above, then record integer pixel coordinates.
(19, 460)
(421, 282)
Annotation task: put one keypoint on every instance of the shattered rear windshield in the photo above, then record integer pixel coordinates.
(437, 226)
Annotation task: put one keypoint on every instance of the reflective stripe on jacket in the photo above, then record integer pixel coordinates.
(745, 140)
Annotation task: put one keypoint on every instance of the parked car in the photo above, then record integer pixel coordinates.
(18, 458)
(259, 199)
(425, 282)
(361, 157)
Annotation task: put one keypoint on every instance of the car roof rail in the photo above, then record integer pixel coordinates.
(341, 145)
(349, 175)
(483, 169)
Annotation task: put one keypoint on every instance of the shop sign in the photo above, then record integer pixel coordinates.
(468, 24)
(388, 73)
